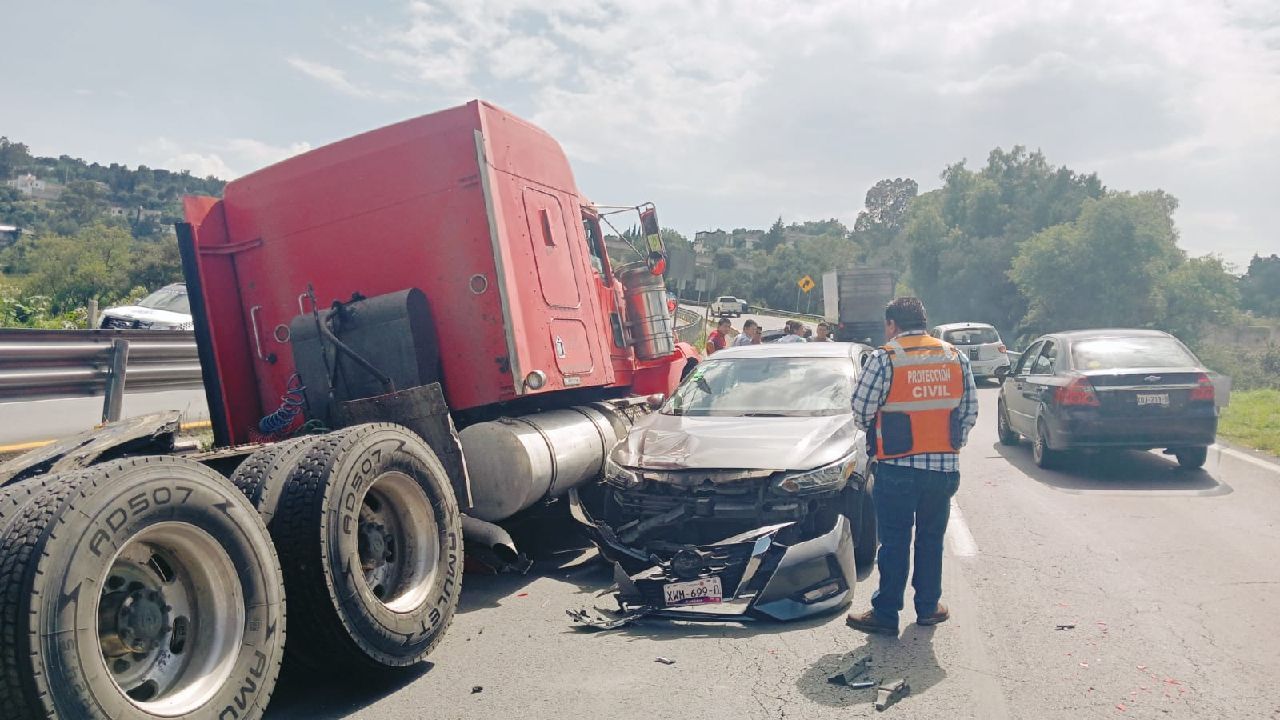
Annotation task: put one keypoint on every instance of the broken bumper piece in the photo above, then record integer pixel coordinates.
(768, 573)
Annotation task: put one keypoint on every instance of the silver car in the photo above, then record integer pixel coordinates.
(756, 452)
(981, 342)
(165, 309)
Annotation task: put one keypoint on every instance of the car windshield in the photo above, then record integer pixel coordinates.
(765, 387)
(171, 299)
(1131, 352)
(972, 336)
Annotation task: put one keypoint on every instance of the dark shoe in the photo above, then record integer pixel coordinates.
(940, 615)
(870, 622)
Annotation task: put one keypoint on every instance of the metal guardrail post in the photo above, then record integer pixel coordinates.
(113, 402)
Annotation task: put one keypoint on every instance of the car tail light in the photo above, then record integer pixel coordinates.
(1204, 389)
(1078, 392)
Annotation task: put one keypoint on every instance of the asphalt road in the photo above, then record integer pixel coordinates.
(1118, 587)
(22, 422)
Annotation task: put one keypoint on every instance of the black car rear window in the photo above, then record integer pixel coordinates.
(1131, 352)
(972, 336)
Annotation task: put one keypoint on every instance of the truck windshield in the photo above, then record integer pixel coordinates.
(765, 387)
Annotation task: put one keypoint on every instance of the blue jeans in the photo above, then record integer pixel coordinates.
(906, 496)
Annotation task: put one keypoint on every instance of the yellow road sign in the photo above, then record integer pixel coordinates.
(806, 283)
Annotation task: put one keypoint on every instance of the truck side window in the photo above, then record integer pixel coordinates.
(595, 245)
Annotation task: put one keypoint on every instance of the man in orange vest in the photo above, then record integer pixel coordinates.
(917, 401)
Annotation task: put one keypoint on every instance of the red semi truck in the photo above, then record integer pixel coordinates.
(405, 336)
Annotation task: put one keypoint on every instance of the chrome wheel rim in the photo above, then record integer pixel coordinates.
(399, 542)
(171, 618)
(1039, 446)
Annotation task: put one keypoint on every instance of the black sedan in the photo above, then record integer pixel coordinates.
(1089, 389)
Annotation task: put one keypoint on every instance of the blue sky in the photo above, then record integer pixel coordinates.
(726, 114)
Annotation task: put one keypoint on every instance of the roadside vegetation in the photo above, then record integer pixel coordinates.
(1253, 420)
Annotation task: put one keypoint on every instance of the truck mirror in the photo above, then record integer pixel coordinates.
(1002, 371)
(655, 400)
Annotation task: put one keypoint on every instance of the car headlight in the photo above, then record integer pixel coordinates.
(620, 477)
(827, 477)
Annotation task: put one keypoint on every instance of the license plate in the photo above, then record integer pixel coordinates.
(1153, 398)
(694, 592)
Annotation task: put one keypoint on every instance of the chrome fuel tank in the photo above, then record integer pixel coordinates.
(518, 461)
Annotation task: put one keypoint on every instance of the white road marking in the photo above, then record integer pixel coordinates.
(1247, 458)
(962, 542)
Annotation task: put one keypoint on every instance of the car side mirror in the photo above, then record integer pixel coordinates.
(1002, 371)
(655, 400)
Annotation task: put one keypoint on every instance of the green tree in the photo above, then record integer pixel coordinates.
(1260, 286)
(95, 263)
(1198, 293)
(14, 157)
(775, 236)
(886, 208)
(1106, 268)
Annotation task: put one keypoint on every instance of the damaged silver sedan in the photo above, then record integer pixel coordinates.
(746, 495)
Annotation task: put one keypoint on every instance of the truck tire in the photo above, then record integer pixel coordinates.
(139, 588)
(370, 539)
(263, 475)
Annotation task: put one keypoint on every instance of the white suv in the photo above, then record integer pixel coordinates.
(980, 342)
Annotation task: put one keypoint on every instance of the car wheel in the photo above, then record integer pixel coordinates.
(1007, 434)
(866, 541)
(1191, 458)
(1044, 456)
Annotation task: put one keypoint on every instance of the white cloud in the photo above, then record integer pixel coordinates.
(336, 79)
(225, 160)
(732, 111)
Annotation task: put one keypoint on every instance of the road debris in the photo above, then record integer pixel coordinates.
(890, 692)
(476, 689)
(664, 660)
(584, 619)
(855, 670)
(862, 684)
(1065, 627)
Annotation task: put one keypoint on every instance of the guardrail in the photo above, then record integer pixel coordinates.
(45, 364)
(757, 310)
(693, 328)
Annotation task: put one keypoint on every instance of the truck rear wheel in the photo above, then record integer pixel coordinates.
(370, 540)
(263, 475)
(140, 588)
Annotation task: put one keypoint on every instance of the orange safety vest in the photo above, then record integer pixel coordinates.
(924, 391)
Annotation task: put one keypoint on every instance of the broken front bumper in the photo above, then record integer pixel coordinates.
(766, 573)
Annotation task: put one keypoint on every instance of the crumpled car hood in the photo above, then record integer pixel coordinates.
(145, 314)
(668, 442)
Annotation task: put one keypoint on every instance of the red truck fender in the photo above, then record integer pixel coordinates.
(663, 375)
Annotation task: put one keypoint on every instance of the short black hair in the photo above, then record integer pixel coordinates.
(723, 321)
(907, 313)
(791, 326)
(750, 324)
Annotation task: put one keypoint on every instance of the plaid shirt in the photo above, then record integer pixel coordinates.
(873, 389)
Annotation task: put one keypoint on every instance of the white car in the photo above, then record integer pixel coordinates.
(728, 306)
(980, 342)
(164, 309)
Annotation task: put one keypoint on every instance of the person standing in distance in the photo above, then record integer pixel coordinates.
(750, 334)
(794, 330)
(719, 338)
(917, 401)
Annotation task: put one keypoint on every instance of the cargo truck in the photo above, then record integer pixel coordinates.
(854, 299)
(405, 337)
